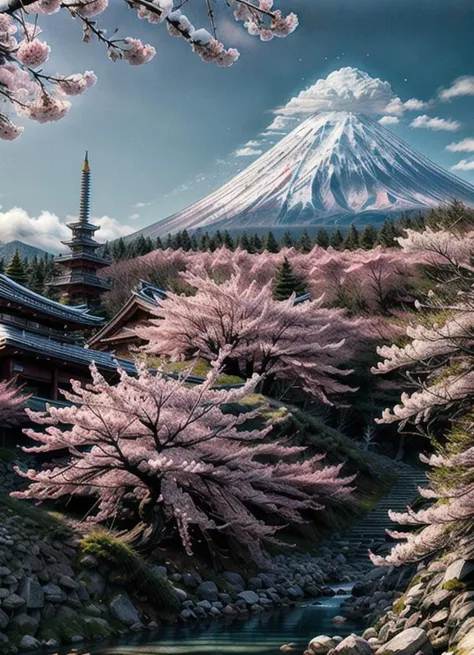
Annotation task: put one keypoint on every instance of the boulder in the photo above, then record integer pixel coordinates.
(235, 579)
(189, 581)
(32, 592)
(353, 645)
(250, 597)
(29, 643)
(408, 642)
(54, 594)
(321, 645)
(187, 614)
(208, 591)
(459, 570)
(13, 602)
(67, 582)
(23, 623)
(4, 620)
(124, 611)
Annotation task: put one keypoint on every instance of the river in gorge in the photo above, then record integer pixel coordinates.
(261, 634)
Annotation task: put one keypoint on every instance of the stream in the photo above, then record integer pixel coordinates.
(260, 634)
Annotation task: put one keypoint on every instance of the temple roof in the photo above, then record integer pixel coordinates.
(14, 292)
(145, 296)
(72, 354)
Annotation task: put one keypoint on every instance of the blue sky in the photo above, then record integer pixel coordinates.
(165, 134)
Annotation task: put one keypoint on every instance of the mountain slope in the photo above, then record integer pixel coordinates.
(7, 250)
(331, 168)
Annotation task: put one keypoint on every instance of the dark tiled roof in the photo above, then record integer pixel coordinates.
(149, 293)
(32, 342)
(10, 290)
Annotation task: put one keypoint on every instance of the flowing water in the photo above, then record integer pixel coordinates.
(262, 634)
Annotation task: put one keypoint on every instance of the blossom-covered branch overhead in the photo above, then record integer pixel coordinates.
(34, 94)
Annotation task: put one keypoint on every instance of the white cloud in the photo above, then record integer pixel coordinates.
(435, 123)
(466, 145)
(253, 144)
(462, 86)
(139, 205)
(248, 152)
(389, 120)
(349, 89)
(46, 231)
(463, 165)
(133, 217)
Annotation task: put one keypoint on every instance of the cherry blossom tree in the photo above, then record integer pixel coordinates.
(12, 402)
(439, 362)
(163, 451)
(306, 342)
(42, 97)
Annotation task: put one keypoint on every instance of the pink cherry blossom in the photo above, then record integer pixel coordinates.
(74, 85)
(136, 53)
(9, 131)
(87, 8)
(33, 53)
(47, 109)
(164, 449)
(44, 7)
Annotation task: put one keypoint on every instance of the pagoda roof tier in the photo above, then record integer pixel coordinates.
(145, 297)
(87, 256)
(15, 293)
(83, 225)
(21, 340)
(80, 278)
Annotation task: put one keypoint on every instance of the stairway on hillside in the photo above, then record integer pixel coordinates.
(370, 532)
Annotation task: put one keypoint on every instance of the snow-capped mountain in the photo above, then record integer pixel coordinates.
(333, 167)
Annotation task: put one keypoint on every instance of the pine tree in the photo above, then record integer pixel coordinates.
(194, 243)
(387, 235)
(368, 238)
(256, 243)
(158, 244)
(16, 269)
(2, 265)
(185, 240)
(244, 242)
(322, 238)
(287, 283)
(270, 243)
(36, 275)
(351, 242)
(336, 240)
(168, 241)
(228, 241)
(287, 240)
(204, 242)
(218, 238)
(149, 245)
(118, 250)
(304, 242)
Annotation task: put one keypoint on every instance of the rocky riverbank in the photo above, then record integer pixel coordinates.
(426, 611)
(54, 592)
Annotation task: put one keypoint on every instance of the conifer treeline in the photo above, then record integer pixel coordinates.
(33, 273)
(368, 238)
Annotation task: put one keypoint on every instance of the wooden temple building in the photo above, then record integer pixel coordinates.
(119, 334)
(79, 282)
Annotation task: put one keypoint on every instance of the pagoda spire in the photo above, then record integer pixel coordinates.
(85, 191)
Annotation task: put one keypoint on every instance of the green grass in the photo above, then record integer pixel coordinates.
(49, 523)
(455, 585)
(200, 368)
(137, 575)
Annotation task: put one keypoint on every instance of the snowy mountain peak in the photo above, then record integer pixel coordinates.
(335, 166)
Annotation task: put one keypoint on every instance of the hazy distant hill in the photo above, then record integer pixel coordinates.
(7, 250)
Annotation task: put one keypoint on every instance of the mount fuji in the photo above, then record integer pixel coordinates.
(335, 167)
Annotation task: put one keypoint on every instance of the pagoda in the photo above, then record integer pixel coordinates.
(78, 281)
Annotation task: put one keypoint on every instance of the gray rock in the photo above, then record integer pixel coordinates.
(215, 612)
(124, 611)
(52, 643)
(67, 582)
(32, 592)
(205, 604)
(187, 614)
(65, 612)
(54, 594)
(208, 591)
(48, 612)
(353, 645)
(161, 570)
(24, 623)
(321, 645)
(461, 612)
(459, 570)
(94, 582)
(250, 597)
(76, 639)
(4, 571)
(93, 610)
(235, 579)
(225, 598)
(189, 581)
(4, 619)
(29, 643)
(176, 577)
(13, 602)
(408, 642)
(182, 595)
